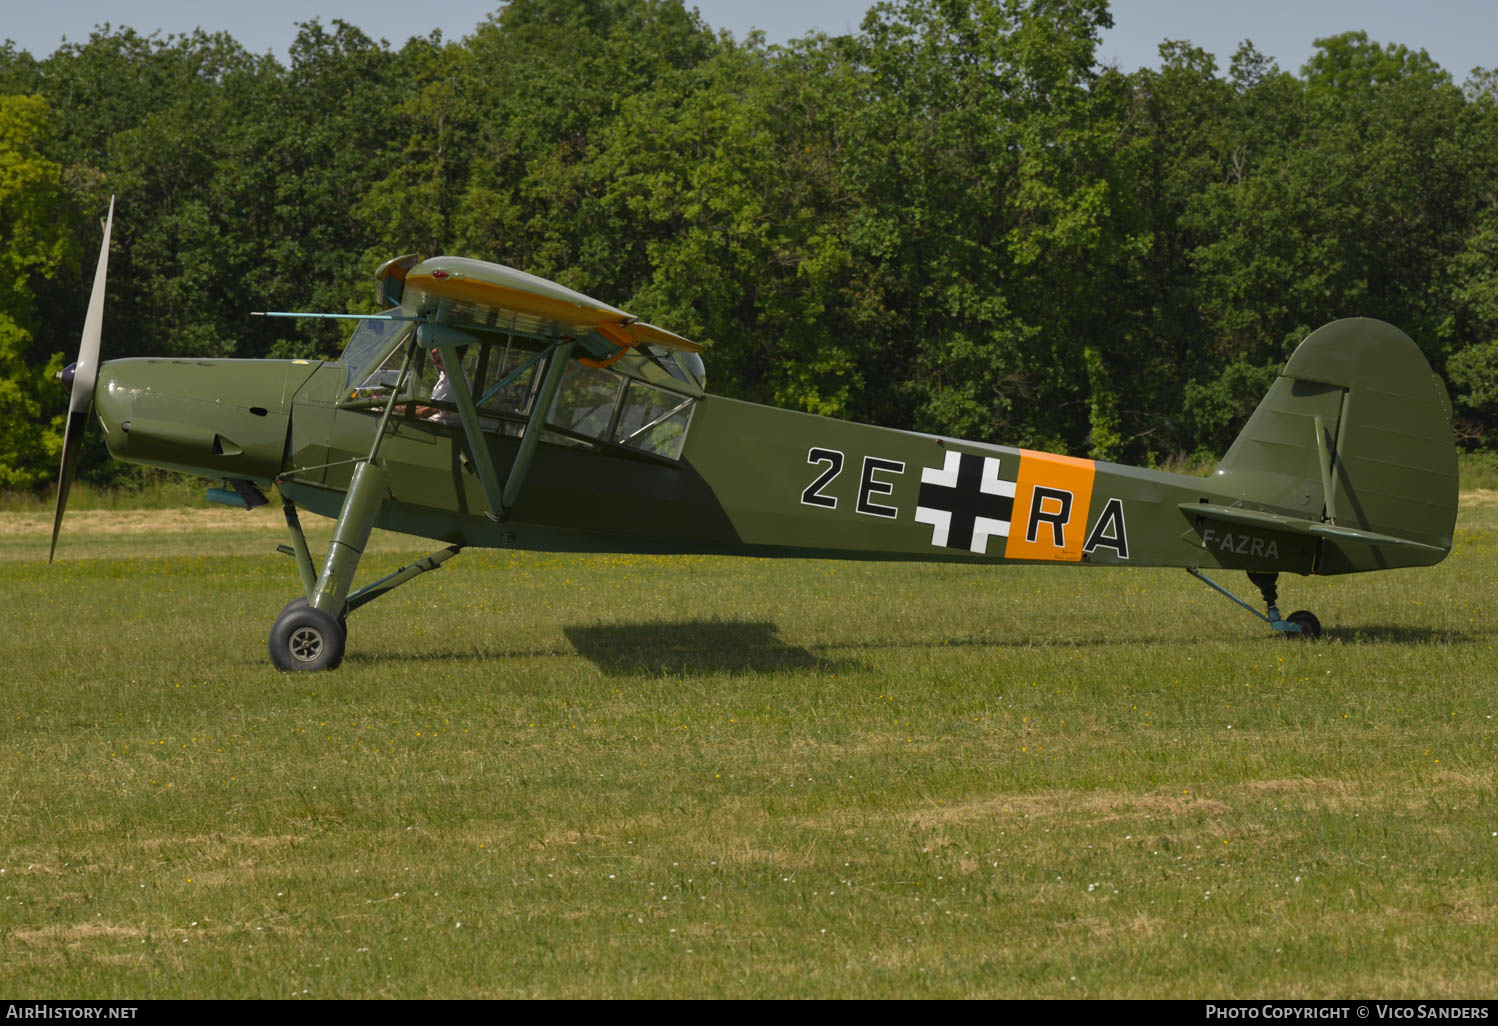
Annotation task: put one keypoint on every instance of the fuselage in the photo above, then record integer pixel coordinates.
(745, 479)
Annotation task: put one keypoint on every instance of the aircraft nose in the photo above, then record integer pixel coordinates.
(113, 402)
(215, 418)
(67, 374)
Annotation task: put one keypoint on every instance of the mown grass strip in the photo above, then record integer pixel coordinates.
(547, 775)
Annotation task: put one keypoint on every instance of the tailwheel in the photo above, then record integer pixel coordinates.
(1300, 624)
(305, 638)
(1310, 627)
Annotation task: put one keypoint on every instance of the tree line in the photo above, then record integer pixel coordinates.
(955, 220)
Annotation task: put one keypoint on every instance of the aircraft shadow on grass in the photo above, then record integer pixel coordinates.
(694, 647)
(662, 649)
(707, 647)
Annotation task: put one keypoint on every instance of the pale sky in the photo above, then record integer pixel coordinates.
(1458, 34)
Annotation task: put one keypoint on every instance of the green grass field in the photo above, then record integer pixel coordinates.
(570, 776)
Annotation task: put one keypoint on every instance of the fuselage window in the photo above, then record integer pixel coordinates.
(585, 401)
(500, 375)
(434, 382)
(514, 396)
(653, 420)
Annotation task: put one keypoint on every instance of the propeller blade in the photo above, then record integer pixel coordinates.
(85, 373)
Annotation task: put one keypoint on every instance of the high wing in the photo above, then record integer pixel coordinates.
(462, 292)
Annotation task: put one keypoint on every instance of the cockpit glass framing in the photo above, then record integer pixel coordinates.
(653, 420)
(504, 372)
(586, 400)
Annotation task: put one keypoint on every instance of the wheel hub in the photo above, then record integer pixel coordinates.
(306, 644)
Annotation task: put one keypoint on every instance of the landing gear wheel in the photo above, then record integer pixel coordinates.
(1310, 627)
(305, 639)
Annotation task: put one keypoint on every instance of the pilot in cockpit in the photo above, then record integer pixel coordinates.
(442, 392)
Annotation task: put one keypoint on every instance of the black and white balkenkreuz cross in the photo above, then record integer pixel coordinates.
(965, 502)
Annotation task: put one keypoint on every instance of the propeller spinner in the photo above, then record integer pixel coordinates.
(80, 377)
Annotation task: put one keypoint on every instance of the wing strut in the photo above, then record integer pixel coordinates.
(447, 341)
(500, 499)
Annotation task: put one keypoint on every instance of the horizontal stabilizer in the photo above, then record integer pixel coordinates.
(1294, 525)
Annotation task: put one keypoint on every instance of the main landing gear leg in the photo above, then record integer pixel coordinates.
(1299, 624)
(310, 635)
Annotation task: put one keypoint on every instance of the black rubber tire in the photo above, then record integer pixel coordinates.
(305, 640)
(1310, 627)
(301, 603)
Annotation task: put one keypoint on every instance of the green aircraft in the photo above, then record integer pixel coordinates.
(489, 407)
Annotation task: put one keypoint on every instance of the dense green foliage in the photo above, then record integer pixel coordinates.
(955, 220)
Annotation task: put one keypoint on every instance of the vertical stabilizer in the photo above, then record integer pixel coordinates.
(1358, 407)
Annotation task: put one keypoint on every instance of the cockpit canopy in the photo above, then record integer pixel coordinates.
(627, 383)
(642, 401)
